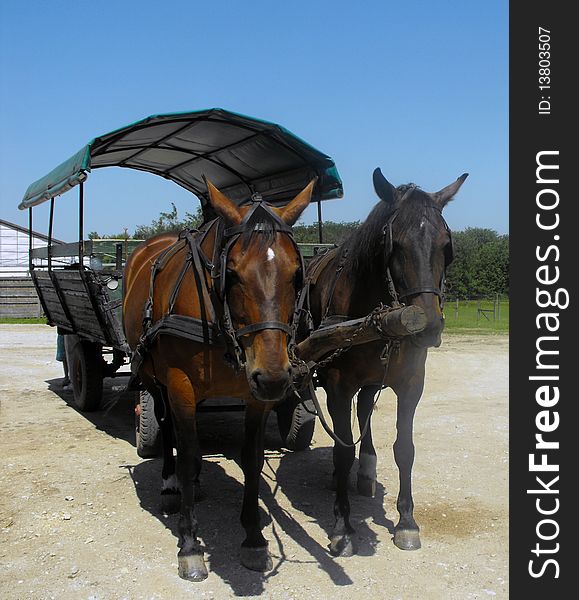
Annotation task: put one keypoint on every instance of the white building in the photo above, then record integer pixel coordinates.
(14, 245)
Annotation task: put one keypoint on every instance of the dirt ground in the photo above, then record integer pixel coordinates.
(79, 511)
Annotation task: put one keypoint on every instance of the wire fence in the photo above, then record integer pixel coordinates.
(482, 314)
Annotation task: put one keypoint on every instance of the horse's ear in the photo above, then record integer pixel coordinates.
(291, 212)
(383, 187)
(446, 194)
(223, 206)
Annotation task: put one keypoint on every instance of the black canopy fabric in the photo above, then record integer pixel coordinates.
(239, 154)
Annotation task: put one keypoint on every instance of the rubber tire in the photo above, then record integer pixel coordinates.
(85, 364)
(296, 425)
(147, 430)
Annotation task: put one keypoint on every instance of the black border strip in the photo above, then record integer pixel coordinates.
(542, 121)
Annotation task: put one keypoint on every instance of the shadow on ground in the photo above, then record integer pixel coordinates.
(116, 416)
(294, 493)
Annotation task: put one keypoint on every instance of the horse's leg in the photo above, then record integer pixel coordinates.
(254, 552)
(406, 534)
(367, 460)
(170, 492)
(340, 409)
(183, 404)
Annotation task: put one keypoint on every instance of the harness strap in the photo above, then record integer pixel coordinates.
(318, 264)
(175, 292)
(223, 267)
(339, 269)
(261, 326)
(191, 328)
(385, 357)
(181, 326)
(205, 298)
(420, 290)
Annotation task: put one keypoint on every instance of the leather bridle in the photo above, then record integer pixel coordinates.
(400, 294)
(215, 327)
(226, 239)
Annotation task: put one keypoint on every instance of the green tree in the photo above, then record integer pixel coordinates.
(166, 221)
(481, 264)
(492, 268)
(480, 267)
(169, 221)
(333, 233)
(94, 235)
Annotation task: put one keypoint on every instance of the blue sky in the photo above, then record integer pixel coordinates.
(419, 88)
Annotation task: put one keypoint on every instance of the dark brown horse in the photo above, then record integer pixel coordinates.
(398, 254)
(230, 288)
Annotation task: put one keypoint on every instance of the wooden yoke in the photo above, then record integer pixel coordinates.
(386, 323)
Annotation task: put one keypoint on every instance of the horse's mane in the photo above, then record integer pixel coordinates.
(364, 245)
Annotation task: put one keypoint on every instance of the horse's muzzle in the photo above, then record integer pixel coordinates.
(431, 336)
(269, 386)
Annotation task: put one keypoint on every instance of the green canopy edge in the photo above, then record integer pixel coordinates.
(61, 179)
(74, 170)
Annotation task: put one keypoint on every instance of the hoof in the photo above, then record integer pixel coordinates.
(342, 545)
(407, 539)
(256, 559)
(192, 567)
(170, 502)
(366, 487)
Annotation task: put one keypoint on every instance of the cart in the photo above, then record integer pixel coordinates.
(79, 284)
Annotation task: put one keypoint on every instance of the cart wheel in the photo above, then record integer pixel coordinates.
(148, 434)
(85, 364)
(296, 424)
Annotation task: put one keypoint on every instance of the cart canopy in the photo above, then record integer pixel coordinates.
(239, 154)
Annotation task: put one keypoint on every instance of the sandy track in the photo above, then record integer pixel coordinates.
(79, 510)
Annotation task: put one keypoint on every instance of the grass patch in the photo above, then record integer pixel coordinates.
(479, 317)
(32, 321)
(473, 331)
(468, 316)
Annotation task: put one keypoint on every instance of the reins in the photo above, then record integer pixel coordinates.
(391, 345)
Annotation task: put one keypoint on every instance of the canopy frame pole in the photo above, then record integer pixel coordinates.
(81, 225)
(320, 234)
(30, 264)
(50, 224)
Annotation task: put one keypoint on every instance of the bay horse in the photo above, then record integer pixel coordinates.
(191, 299)
(399, 254)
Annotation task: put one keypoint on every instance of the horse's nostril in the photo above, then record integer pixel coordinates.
(270, 386)
(255, 376)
